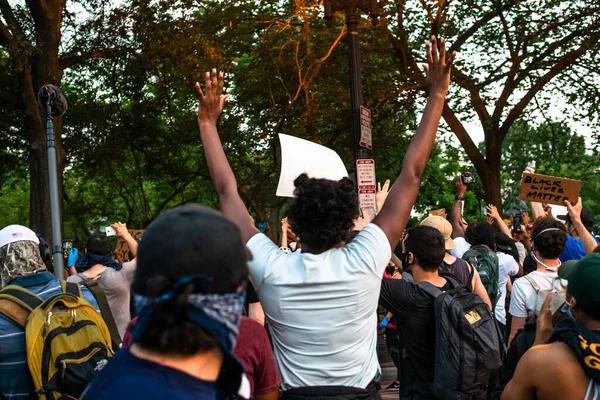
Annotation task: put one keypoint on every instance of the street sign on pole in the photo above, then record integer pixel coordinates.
(366, 139)
(367, 189)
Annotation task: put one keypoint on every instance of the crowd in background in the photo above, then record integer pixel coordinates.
(209, 307)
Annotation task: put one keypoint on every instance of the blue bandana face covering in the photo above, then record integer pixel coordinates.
(218, 314)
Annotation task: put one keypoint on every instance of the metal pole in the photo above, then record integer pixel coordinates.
(57, 255)
(356, 88)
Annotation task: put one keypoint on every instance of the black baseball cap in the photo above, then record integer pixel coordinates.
(587, 217)
(192, 240)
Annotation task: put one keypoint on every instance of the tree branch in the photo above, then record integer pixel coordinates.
(11, 20)
(565, 62)
(467, 83)
(463, 136)
(477, 25)
(75, 58)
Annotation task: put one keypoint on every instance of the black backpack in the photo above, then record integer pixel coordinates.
(467, 349)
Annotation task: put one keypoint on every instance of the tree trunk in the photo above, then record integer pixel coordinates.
(43, 68)
(490, 173)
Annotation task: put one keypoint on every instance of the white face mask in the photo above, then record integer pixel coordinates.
(553, 269)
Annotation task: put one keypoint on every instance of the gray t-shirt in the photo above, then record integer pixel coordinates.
(116, 286)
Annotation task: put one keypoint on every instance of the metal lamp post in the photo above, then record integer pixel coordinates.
(353, 9)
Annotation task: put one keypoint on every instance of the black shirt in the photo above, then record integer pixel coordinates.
(413, 310)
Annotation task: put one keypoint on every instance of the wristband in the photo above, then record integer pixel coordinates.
(384, 322)
(457, 197)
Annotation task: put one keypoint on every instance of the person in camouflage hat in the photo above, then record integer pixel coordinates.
(19, 253)
(21, 265)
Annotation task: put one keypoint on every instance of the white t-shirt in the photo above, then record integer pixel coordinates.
(461, 247)
(523, 299)
(507, 266)
(321, 308)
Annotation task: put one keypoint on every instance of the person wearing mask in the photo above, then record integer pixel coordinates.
(114, 278)
(21, 265)
(563, 364)
(423, 252)
(326, 281)
(484, 234)
(189, 290)
(462, 270)
(549, 238)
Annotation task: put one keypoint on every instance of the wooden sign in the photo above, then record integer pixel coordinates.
(122, 252)
(548, 189)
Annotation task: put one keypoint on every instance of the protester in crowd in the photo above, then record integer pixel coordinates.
(567, 367)
(189, 295)
(253, 349)
(549, 238)
(483, 234)
(576, 218)
(114, 278)
(388, 322)
(459, 226)
(462, 270)
(321, 302)
(574, 247)
(423, 252)
(22, 265)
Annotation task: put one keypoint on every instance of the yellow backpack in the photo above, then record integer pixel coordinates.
(67, 340)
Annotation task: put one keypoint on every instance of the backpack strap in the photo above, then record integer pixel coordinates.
(533, 283)
(100, 297)
(17, 303)
(430, 289)
(71, 288)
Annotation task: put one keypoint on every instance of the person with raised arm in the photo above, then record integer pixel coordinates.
(321, 302)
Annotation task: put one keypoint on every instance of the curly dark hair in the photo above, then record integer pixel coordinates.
(483, 233)
(323, 211)
(549, 244)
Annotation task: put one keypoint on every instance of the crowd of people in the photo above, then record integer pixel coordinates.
(210, 308)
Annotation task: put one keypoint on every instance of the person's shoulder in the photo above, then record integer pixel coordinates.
(74, 278)
(521, 284)
(550, 357)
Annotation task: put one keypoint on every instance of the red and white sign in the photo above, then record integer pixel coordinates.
(367, 184)
(366, 139)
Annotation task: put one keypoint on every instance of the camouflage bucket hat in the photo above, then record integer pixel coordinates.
(18, 259)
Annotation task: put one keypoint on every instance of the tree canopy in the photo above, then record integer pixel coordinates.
(130, 146)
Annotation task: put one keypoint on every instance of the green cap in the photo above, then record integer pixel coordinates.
(584, 280)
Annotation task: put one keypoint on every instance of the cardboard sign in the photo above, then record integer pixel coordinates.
(300, 156)
(548, 189)
(122, 251)
(367, 189)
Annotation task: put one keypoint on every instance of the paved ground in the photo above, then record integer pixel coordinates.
(388, 372)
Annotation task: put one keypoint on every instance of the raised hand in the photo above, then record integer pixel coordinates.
(120, 228)
(574, 210)
(438, 66)
(460, 187)
(212, 100)
(382, 193)
(492, 211)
